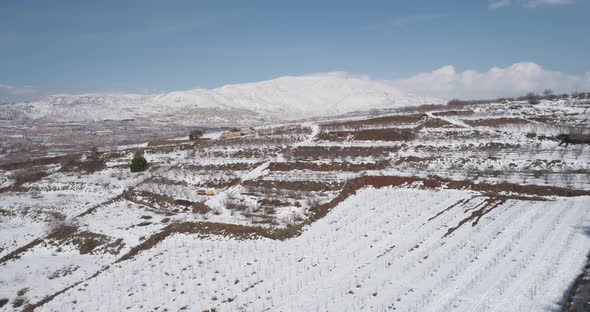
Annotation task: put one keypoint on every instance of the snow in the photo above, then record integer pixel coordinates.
(283, 98)
(376, 251)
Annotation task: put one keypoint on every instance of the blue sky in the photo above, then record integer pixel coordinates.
(175, 45)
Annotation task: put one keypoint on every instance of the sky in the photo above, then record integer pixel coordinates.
(437, 47)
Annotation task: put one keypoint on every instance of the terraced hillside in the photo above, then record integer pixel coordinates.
(471, 208)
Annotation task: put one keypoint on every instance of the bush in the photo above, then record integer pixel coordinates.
(550, 95)
(28, 175)
(532, 98)
(195, 134)
(93, 154)
(456, 103)
(61, 229)
(139, 163)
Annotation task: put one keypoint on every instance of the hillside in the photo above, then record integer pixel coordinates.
(471, 208)
(285, 98)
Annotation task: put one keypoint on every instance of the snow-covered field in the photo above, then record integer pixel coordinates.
(472, 209)
(375, 252)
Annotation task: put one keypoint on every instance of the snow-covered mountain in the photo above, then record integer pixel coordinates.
(284, 98)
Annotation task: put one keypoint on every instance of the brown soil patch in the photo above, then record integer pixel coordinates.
(390, 134)
(266, 202)
(15, 254)
(161, 202)
(222, 183)
(378, 121)
(454, 113)
(202, 228)
(86, 242)
(464, 135)
(164, 181)
(305, 186)
(476, 214)
(405, 159)
(161, 142)
(285, 130)
(329, 152)
(463, 201)
(332, 166)
(87, 166)
(39, 162)
(437, 123)
(91, 210)
(492, 122)
(220, 167)
(24, 176)
(431, 183)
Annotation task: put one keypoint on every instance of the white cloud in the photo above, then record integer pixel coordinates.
(8, 89)
(14, 93)
(496, 4)
(514, 80)
(10, 93)
(445, 82)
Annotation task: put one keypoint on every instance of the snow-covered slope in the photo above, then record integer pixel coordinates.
(282, 98)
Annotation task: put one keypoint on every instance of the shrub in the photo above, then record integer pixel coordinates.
(550, 95)
(18, 302)
(93, 154)
(195, 134)
(61, 229)
(455, 103)
(139, 163)
(28, 175)
(87, 246)
(532, 98)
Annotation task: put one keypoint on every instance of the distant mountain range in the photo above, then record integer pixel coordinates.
(285, 98)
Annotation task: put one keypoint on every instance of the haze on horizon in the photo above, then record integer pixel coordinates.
(422, 47)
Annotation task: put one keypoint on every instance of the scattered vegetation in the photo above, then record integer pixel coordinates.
(138, 163)
(195, 134)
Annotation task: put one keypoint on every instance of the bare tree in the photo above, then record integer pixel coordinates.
(587, 173)
(548, 93)
(546, 176)
(524, 177)
(567, 177)
(532, 98)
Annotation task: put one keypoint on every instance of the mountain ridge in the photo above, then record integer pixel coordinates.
(283, 98)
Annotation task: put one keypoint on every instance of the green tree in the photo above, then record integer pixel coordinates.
(195, 134)
(138, 163)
